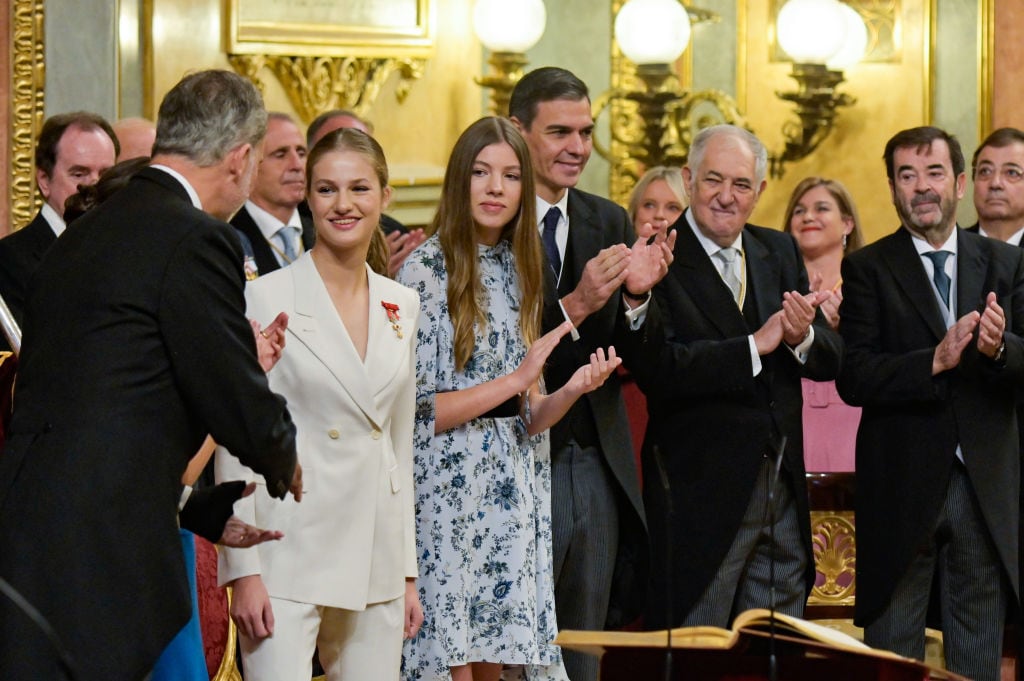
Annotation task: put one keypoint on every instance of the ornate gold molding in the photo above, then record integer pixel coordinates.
(986, 65)
(318, 84)
(28, 80)
(834, 541)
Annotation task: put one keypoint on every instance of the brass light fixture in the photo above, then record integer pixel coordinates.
(507, 30)
(823, 37)
(811, 32)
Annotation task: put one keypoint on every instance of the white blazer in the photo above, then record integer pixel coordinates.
(351, 542)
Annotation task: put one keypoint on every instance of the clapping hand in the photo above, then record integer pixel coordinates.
(592, 376)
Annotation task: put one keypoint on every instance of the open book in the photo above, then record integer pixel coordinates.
(754, 623)
(757, 620)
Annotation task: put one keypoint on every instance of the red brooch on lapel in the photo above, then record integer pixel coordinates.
(392, 311)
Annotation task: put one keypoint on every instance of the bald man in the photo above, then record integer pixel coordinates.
(136, 136)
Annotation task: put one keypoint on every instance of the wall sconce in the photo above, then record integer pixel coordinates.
(507, 30)
(651, 35)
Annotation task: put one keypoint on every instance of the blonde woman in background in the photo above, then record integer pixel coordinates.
(657, 201)
(822, 218)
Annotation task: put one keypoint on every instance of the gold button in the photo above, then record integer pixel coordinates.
(375, 434)
(333, 434)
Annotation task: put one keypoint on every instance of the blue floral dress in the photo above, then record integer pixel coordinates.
(483, 493)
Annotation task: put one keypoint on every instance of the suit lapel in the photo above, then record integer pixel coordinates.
(763, 276)
(385, 349)
(970, 275)
(266, 262)
(584, 240)
(906, 268)
(318, 327)
(698, 276)
(42, 236)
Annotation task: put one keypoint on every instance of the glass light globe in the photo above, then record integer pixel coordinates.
(811, 31)
(505, 26)
(652, 31)
(856, 43)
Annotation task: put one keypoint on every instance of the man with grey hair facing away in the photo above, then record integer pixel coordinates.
(135, 347)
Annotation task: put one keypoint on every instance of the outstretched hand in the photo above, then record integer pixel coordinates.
(239, 534)
(270, 340)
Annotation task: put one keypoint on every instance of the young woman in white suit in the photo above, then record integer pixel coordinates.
(343, 578)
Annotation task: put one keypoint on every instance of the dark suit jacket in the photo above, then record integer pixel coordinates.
(266, 261)
(135, 346)
(596, 223)
(20, 255)
(913, 421)
(711, 418)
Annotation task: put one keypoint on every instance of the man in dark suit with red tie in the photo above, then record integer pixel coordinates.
(933, 319)
(135, 347)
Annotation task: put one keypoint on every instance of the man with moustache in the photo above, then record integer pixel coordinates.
(135, 347)
(273, 232)
(932, 317)
(722, 371)
(595, 280)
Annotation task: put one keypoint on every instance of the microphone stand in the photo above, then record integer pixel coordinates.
(773, 479)
(10, 327)
(36, 617)
(667, 489)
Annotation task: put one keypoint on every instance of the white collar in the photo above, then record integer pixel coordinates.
(55, 221)
(192, 194)
(923, 246)
(268, 224)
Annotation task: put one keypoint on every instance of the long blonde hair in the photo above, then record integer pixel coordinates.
(456, 231)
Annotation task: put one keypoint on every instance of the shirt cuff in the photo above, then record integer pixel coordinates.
(635, 316)
(755, 359)
(573, 332)
(801, 350)
(186, 492)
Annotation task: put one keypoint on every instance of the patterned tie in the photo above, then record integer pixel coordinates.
(548, 237)
(940, 277)
(284, 235)
(730, 270)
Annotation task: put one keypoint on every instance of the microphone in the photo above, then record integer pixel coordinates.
(773, 479)
(667, 489)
